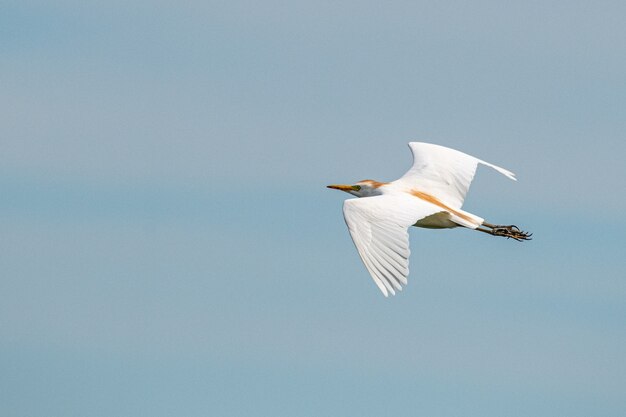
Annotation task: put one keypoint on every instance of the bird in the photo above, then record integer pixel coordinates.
(429, 195)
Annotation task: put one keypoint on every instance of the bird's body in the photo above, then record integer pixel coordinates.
(429, 195)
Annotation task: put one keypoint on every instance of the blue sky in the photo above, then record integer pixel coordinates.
(167, 246)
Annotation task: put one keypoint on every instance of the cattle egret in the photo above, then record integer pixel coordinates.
(429, 195)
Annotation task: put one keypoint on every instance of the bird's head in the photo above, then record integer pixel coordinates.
(365, 188)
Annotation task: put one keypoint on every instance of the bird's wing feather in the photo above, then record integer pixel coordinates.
(443, 172)
(379, 229)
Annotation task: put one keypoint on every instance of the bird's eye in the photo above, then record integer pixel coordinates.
(356, 187)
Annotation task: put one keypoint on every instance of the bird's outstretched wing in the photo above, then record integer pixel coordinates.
(443, 172)
(379, 229)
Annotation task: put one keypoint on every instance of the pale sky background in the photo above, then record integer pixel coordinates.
(168, 246)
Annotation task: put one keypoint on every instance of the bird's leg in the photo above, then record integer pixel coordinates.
(510, 231)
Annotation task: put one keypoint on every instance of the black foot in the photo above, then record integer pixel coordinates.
(511, 232)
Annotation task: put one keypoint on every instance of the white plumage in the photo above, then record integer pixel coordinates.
(443, 172)
(429, 195)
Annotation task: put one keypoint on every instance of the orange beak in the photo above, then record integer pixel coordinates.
(346, 188)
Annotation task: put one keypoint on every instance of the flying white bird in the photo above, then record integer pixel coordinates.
(429, 195)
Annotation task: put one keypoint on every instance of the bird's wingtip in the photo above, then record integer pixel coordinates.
(501, 170)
